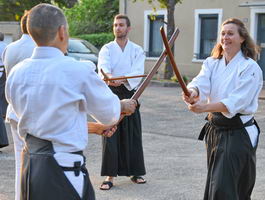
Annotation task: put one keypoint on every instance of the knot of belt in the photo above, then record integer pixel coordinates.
(76, 168)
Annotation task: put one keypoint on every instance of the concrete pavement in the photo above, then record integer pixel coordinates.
(175, 159)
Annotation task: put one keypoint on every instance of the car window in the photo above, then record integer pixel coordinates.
(77, 46)
(91, 47)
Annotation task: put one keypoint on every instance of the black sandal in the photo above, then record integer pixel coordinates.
(136, 179)
(109, 183)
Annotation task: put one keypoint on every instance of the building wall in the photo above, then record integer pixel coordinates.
(11, 31)
(185, 21)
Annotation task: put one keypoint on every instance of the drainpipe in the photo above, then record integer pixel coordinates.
(125, 7)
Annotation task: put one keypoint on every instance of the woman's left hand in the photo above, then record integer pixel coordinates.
(198, 107)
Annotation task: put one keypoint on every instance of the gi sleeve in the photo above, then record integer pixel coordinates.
(248, 88)
(203, 81)
(101, 103)
(137, 68)
(8, 92)
(7, 61)
(10, 113)
(90, 64)
(104, 60)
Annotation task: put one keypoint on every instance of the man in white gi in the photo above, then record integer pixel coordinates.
(3, 103)
(14, 53)
(123, 152)
(51, 95)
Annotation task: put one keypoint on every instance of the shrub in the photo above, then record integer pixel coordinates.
(97, 39)
(185, 79)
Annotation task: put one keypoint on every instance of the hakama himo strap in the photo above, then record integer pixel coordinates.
(220, 122)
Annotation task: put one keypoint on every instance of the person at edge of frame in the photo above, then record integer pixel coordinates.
(3, 103)
(230, 81)
(14, 53)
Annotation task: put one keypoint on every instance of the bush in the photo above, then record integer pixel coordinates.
(97, 39)
(185, 79)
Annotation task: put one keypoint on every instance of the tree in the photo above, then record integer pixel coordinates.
(170, 6)
(92, 16)
(12, 10)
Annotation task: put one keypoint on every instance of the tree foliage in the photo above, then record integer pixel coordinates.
(12, 10)
(170, 6)
(163, 3)
(92, 16)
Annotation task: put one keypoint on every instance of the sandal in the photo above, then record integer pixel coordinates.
(138, 180)
(108, 183)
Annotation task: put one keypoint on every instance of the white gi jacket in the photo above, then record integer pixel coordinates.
(18, 51)
(14, 53)
(129, 62)
(52, 94)
(237, 85)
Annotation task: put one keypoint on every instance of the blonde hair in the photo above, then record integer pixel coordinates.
(23, 22)
(248, 47)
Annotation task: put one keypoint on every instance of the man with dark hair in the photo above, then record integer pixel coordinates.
(14, 53)
(3, 103)
(51, 95)
(123, 152)
(121, 16)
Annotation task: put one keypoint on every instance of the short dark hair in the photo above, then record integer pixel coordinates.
(44, 21)
(23, 22)
(2, 36)
(121, 16)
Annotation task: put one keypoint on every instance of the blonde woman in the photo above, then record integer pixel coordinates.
(228, 87)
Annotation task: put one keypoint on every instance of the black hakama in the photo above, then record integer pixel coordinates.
(231, 158)
(43, 179)
(123, 152)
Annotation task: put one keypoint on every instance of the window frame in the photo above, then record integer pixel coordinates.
(147, 14)
(197, 29)
(202, 38)
(254, 12)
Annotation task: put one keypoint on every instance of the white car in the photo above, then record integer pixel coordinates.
(82, 50)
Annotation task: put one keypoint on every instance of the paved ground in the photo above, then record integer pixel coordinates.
(175, 159)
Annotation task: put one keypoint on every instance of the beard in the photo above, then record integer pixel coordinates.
(121, 35)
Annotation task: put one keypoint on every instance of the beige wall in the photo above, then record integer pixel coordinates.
(11, 30)
(184, 19)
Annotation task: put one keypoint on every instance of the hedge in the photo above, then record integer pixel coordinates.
(97, 39)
